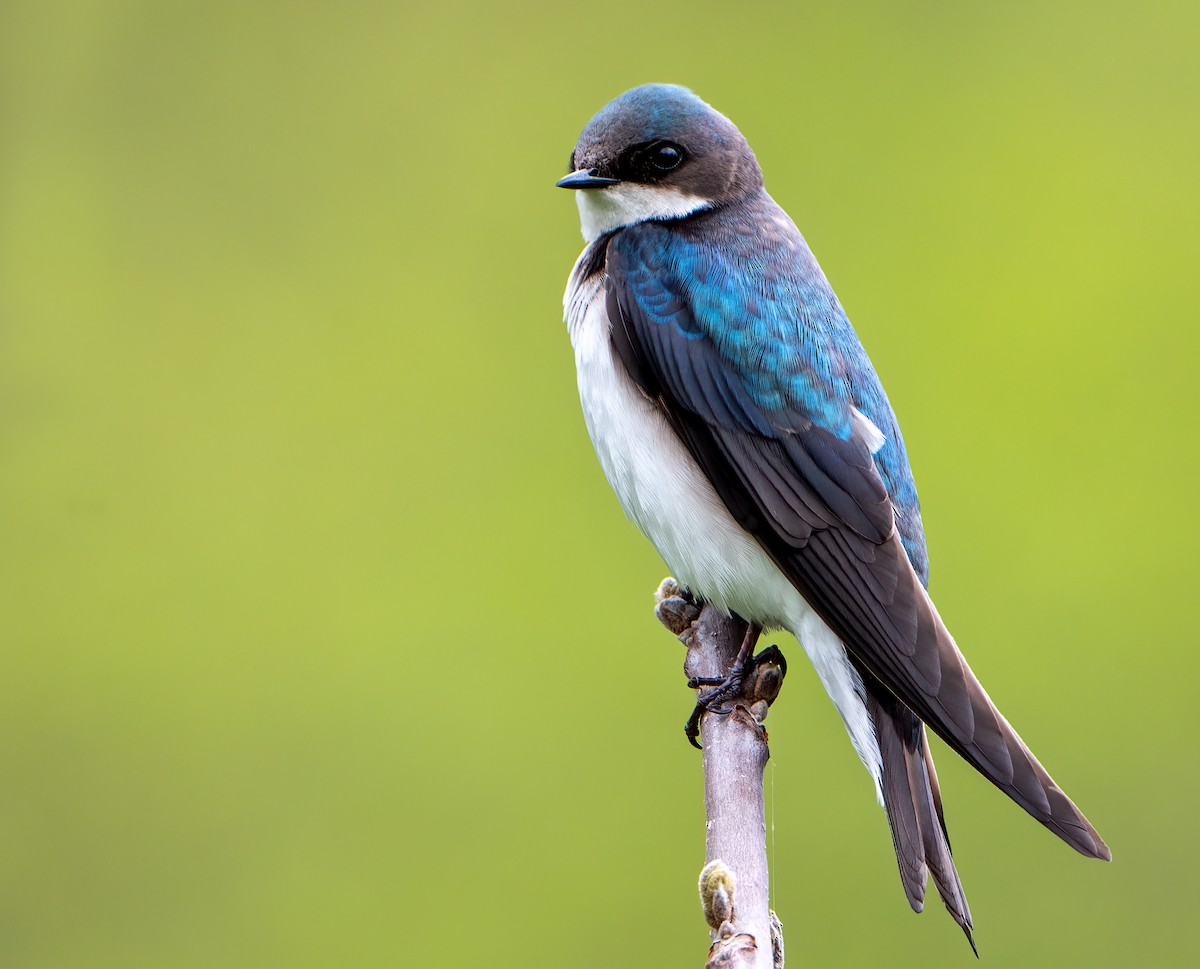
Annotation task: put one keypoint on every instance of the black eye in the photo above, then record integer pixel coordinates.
(665, 158)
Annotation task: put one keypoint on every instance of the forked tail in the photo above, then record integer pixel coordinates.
(914, 805)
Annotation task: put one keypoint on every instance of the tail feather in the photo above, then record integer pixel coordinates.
(945, 875)
(874, 601)
(913, 803)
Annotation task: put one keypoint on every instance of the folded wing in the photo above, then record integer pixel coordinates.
(796, 471)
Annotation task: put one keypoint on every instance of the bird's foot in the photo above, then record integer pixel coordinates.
(753, 681)
(725, 689)
(756, 684)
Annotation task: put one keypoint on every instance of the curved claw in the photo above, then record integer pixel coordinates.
(725, 689)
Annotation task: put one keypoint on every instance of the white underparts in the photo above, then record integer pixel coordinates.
(603, 209)
(668, 497)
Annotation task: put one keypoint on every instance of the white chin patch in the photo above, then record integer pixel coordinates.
(603, 209)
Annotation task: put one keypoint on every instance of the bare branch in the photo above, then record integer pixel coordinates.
(734, 884)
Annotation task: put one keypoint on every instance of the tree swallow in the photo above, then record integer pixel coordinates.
(745, 432)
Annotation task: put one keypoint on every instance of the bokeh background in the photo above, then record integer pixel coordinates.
(324, 642)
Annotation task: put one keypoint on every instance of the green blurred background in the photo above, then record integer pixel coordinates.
(318, 619)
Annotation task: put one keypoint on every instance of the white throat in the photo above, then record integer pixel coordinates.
(603, 209)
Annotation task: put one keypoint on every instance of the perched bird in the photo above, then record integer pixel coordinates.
(745, 432)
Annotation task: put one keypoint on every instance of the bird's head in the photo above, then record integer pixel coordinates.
(657, 152)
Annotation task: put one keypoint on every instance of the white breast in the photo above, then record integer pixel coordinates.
(668, 497)
(657, 481)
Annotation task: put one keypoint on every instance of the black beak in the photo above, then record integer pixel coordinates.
(586, 178)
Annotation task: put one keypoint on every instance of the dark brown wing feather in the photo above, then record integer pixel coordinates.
(901, 640)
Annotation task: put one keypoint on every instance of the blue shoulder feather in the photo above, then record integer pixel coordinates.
(743, 279)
